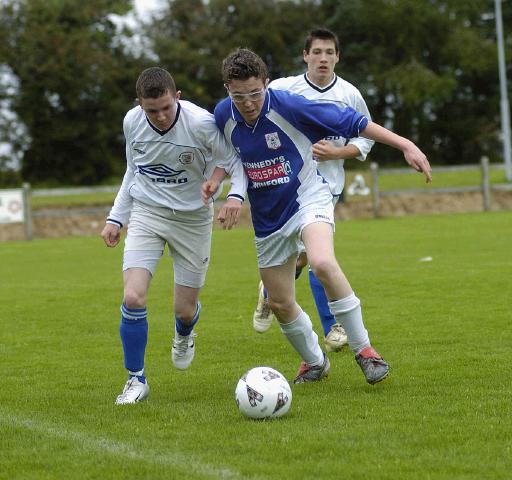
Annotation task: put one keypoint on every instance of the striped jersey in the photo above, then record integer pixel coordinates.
(167, 168)
(343, 94)
(276, 152)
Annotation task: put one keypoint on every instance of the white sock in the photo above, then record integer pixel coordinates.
(347, 312)
(302, 337)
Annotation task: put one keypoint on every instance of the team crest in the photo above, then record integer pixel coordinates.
(273, 141)
(186, 158)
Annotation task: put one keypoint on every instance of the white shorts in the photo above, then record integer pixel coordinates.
(187, 234)
(302, 247)
(279, 246)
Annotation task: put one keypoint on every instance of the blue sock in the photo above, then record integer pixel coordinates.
(186, 330)
(322, 304)
(134, 337)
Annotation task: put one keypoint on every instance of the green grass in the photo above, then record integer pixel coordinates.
(440, 179)
(444, 326)
(80, 200)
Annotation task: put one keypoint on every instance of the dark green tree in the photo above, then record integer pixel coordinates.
(428, 70)
(75, 84)
(191, 37)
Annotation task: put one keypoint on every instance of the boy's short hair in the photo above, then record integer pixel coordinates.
(321, 34)
(242, 65)
(155, 82)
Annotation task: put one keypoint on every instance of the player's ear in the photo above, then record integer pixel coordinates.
(178, 94)
(304, 53)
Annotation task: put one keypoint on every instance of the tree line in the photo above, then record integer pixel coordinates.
(427, 69)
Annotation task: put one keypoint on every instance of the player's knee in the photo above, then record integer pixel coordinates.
(324, 268)
(185, 312)
(281, 306)
(134, 299)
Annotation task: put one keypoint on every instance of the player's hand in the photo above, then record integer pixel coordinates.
(325, 150)
(208, 190)
(229, 214)
(111, 235)
(418, 160)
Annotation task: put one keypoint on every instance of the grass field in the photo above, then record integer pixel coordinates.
(444, 326)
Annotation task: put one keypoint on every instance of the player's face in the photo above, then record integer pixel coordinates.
(321, 60)
(161, 111)
(248, 96)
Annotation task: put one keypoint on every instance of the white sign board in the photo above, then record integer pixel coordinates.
(11, 206)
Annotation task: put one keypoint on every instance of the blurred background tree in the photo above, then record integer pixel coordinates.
(191, 37)
(428, 70)
(75, 84)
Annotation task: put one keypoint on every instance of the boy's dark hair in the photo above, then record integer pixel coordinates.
(242, 65)
(155, 82)
(321, 34)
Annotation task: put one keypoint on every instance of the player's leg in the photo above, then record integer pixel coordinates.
(302, 261)
(263, 316)
(344, 305)
(294, 322)
(133, 329)
(334, 333)
(189, 242)
(142, 252)
(187, 309)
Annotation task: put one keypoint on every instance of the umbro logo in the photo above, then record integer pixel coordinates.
(159, 171)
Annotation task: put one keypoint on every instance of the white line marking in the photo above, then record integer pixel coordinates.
(103, 445)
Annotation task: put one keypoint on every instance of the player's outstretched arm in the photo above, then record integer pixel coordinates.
(111, 234)
(412, 154)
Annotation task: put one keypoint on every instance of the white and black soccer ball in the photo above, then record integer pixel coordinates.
(263, 392)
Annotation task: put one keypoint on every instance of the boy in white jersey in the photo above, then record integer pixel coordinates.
(321, 54)
(273, 132)
(172, 147)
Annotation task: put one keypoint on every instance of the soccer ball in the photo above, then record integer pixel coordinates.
(263, 392)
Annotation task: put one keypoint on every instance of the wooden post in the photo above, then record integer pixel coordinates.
(374, 167)
(486, 190)
(27, 210)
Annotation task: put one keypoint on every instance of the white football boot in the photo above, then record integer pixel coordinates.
(263, 316)
(183, 350)
(336, 339)
(134, 391)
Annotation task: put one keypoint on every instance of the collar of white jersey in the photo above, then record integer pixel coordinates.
(237, 116)
(321, 89)
(163, 132)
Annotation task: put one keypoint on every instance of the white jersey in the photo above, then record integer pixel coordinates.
(167, 169)
(343, 94)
